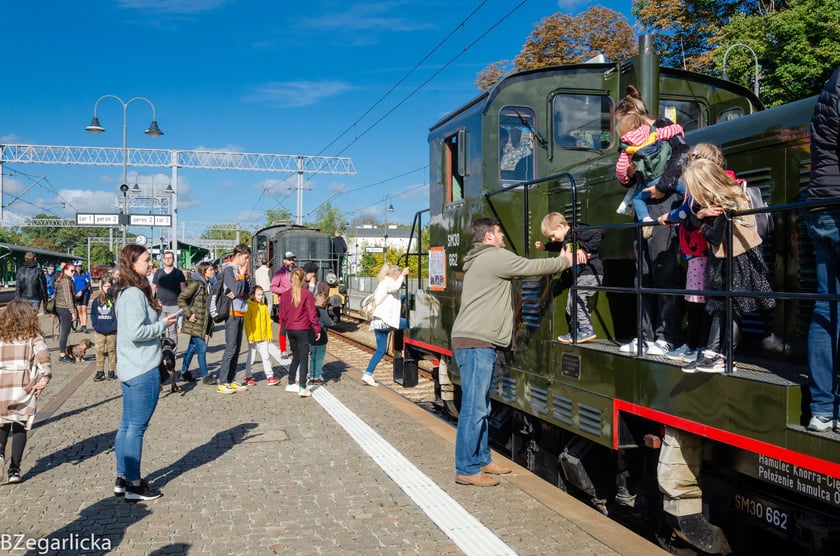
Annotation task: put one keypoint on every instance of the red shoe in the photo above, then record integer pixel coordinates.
(250, 381)
(272, 381)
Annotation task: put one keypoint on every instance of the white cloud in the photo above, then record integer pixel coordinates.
(366, 17)
(181, 7)
(296, 94)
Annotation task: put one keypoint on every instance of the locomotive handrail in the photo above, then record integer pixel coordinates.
(727, 293)
(525, 210)
(416, 224)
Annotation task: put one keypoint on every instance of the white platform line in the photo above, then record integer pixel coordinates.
(457, 523)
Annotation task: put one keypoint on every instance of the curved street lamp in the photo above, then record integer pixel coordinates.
(755, 57)
(390, 208)
(153, 131)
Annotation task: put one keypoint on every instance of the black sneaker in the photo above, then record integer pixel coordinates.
(209, 380)
(119, 485)
(186, 376)
(714, 364)
(112, 375)
(66, 359)
(14, 476)
(99, 376)
(141, 492)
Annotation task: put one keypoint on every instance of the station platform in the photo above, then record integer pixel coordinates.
(351, 470)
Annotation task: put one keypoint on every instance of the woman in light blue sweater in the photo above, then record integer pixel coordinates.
(138, 357)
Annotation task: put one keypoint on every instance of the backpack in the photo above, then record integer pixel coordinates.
(650, 161)
(368, 306)
(219, 302)
(764, 223)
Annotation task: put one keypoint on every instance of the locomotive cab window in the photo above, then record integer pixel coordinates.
(516, 144)
(581, 121)
(454, 159)
(687, 113)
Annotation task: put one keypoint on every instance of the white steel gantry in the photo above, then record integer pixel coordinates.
(176, 159)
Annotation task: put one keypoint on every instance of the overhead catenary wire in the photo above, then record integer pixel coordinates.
(399, 82)
(431, 77)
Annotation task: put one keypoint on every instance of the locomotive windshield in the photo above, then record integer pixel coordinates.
(516, 144)
(582, 121)
(687, 113)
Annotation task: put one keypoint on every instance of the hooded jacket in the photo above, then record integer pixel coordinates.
(193, 300)
(486, 312)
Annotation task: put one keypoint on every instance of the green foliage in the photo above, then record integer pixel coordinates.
(274, 216)
(798, 49)
(328, 219)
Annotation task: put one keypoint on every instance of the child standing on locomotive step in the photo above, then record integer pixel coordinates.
(589, 270)
(258, 332)
(712, 187)
(104, 322)
(318, 348)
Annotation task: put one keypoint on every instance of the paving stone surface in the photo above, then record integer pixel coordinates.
(258, 472)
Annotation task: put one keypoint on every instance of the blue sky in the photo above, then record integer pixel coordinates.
(248, 76)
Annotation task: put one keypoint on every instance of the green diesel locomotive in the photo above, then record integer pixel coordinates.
(593, 419)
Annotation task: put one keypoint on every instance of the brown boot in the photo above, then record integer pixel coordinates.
(479, 479)
(494, 468)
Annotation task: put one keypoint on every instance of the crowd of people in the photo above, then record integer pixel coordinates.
(682, 194)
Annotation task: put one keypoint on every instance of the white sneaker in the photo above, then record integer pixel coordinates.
(292, 387)
(369, 380)
(630, 347)
(304, 393)
(659, 347)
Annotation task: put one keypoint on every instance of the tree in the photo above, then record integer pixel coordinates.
(274, 216)
(686, 31)
(798, 49)
(329, 218)
(564, 39)
(216, 232)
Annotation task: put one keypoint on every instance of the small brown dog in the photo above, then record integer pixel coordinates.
(78, 351)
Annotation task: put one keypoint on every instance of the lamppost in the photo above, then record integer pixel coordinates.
(390, 208)
(725, 54)
(153, 131)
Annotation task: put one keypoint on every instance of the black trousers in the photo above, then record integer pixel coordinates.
(18, 434)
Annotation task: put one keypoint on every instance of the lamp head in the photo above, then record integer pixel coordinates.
(391, 208)
(136, 188)
(154, 130)
(95, 127)
(124, 188)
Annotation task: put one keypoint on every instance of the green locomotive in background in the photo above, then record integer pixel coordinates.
(587, 417)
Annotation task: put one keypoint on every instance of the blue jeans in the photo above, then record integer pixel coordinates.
(381, 345)
(823, 333)
(476, 368)
(198, 347)
(140, 398)
(316, 356)
(233, 343)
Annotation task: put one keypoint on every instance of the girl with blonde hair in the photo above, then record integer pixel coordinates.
(714, 189)
(297, 311)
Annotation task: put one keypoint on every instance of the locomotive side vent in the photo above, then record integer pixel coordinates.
(539, 400)
(591, 419)
(561, 409)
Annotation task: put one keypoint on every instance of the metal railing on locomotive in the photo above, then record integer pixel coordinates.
(728, 294)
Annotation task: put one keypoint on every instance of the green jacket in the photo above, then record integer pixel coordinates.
(193, 299)
(486, 311)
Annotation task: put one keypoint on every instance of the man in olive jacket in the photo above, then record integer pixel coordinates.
(485, 323)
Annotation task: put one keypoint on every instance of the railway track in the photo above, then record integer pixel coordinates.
(352, 342)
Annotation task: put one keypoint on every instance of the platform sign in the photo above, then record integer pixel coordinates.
(374, 250)
(157, 220)
(90, 219)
